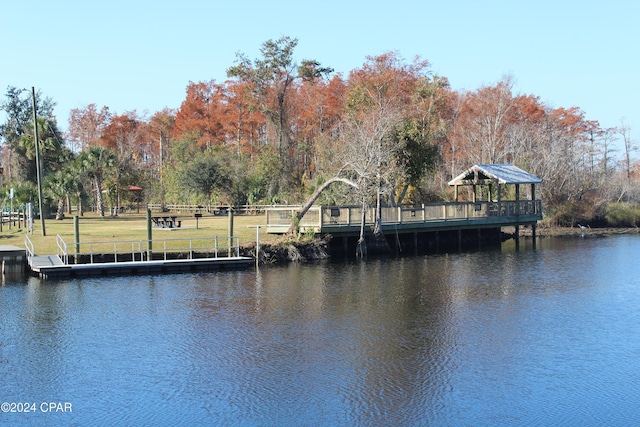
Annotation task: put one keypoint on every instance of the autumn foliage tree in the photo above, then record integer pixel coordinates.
(285, 131)
(273, 78)
(86, 126)
(203, 115)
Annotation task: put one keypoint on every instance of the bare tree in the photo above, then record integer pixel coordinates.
(625, 132)
(86, 126)
(483, 125)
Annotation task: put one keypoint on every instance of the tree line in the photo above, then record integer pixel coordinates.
(278, 131)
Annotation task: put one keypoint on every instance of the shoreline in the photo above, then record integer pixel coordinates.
(301, 250)
(542, 232)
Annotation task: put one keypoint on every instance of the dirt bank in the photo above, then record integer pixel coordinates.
(287, 250)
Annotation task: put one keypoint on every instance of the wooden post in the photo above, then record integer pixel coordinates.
(257, 246)
(533, 234)
(149, 236)
(76, 232)
(230, 230)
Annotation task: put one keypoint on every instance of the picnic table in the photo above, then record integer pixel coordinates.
(166, 221)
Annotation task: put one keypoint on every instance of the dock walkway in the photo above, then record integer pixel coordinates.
(194, 257)
(347, 220)
(47, 266)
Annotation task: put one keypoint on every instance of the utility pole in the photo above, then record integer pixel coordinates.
(37, 146)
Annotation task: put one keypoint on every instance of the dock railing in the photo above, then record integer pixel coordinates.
(63, 252)
(28, 244)
(138, 250)
(215, 209)
(322, 218)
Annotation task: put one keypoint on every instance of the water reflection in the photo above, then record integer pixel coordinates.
(498, 337)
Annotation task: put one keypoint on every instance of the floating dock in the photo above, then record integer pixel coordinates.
(188, 255)
(51, 266)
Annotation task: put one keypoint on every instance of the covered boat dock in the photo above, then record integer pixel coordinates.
(494, 199)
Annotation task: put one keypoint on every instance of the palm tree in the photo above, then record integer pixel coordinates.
(52, 150)
(77, 177)
(96, 162)
(58, 186)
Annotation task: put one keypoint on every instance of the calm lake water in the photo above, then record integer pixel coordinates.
(545, 336)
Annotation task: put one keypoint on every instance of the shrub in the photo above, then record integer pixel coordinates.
(623, 215)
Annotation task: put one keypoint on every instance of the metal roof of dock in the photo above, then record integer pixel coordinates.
(500, 173)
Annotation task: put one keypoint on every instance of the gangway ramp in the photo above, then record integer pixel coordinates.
(38, 261)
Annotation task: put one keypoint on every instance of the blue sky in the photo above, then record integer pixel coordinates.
(141, 54)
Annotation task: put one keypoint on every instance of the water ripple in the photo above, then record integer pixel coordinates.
(544, 337)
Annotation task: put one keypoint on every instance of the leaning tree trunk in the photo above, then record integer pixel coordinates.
(295, 221)
(402, 195)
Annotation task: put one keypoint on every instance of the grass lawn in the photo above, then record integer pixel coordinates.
(133, 227)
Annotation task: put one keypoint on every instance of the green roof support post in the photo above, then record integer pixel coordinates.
(533, 198)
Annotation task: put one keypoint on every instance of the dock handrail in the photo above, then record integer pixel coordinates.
(137, 250)
(320, 218)
(63, 252)
(28, 244)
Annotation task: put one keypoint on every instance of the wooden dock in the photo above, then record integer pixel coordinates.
(482, 210)
(347, 220)
(488, 180)
(13, 259)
